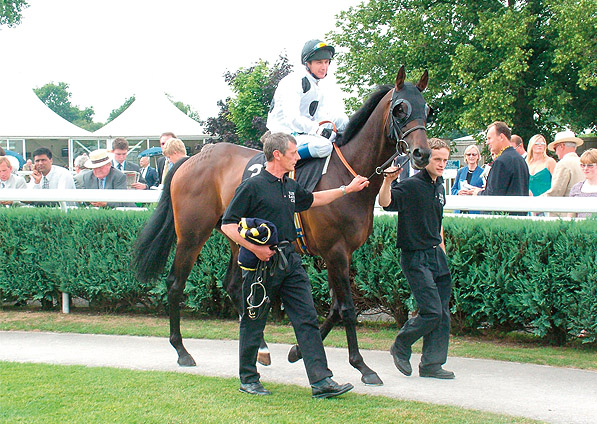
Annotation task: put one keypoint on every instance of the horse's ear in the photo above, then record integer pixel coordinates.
(400, 78)
(422, 84)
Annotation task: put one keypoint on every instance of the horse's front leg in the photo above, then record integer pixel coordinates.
(233, 285)
(339, 281)
(342, 310)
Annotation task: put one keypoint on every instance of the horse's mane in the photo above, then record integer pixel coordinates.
(358, 119)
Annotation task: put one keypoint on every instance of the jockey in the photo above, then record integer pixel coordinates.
(300, 104)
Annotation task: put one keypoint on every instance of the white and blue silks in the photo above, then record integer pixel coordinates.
(300, 103)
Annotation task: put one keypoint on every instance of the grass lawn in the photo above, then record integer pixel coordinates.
(518, 348)
(34, 393)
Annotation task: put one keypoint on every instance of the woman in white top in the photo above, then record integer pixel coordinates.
(588, 187)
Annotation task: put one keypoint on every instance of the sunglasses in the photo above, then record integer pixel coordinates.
(540, 143)
(470, 154)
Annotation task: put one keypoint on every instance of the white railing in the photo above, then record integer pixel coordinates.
(71, 196)
(474, 203)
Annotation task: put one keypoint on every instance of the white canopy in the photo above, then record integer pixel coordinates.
(24, 116)
(150, 115)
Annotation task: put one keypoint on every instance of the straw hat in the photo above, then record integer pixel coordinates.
(564, 137)
(98, 158)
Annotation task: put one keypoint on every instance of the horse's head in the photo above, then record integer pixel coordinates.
(408, 116)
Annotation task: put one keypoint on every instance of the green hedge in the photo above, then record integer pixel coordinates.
(508, 274)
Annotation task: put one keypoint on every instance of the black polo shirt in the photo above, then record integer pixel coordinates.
(268, 197)
(420, 206)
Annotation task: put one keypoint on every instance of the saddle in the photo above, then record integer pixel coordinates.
(307, 172)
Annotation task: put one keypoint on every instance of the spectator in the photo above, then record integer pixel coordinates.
(516, 142)
(28, 165)
(79, 164)
(174, 150)
(588, 187)
(8, 179)
(120, 149)
(163, 163)
(423, 261)
(567, 171)
(149, 174)
(469, 175)
(541, 166)
(46, 175)
(509, 174)
(102, 175)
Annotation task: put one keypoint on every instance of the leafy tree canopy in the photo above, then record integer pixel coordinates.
(57, 97)
(116, 112)
(242, 118)
(185, 108)
(532, 64)
(10, 12)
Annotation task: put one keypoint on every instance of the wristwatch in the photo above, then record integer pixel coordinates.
(343, 188)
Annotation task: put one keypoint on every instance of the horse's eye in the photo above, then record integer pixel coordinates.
(402, 110)
(428, 114)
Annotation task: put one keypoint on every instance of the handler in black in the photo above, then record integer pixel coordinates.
(419, 201)
(272, 196)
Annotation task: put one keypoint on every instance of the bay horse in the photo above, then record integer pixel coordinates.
(198, 190)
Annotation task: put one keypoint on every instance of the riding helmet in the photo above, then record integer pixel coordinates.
(316, 50)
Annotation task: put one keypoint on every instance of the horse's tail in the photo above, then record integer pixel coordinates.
(152, 247)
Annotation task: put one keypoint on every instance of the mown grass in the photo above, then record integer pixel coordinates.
(516, 348)
(34, 393)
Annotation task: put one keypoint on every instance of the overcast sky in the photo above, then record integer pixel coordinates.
(107, 50)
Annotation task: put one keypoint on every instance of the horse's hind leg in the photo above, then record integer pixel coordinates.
(233, 285)
(181, 268)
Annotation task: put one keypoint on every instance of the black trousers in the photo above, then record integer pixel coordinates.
(429, 279)
(294, 289)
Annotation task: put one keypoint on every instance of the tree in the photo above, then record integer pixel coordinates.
(529, 63)
(242, 118)
(57, 97)
(10, 12)
(185, 108)
(116, 112)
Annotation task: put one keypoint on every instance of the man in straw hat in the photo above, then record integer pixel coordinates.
(102, 175)
(567, 171)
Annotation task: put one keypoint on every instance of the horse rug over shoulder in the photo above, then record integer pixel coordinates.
(257, 231)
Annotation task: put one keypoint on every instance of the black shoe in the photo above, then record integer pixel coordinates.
(254, 389)
(439, 373)
(403, 365)
(327, 388)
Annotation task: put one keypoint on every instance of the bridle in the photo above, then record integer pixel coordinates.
(394, 127)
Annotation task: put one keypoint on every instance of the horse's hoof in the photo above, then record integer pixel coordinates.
(186, 361)
(294, 354)
(264, 358)
(372, 380)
